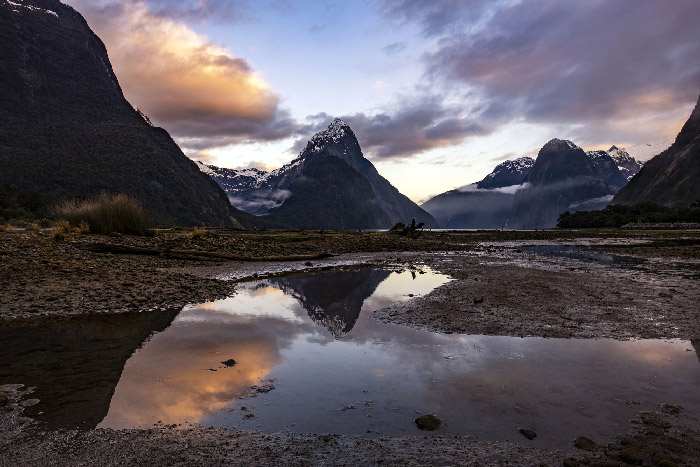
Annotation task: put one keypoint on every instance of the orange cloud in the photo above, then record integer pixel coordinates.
(197, 90)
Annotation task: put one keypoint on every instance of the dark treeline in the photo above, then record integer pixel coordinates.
(23, 204)
(617, 215)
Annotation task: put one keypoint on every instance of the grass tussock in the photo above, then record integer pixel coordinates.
(60, 229)
(6, 228)
(33, 227)
(197, 232)
(106, 214)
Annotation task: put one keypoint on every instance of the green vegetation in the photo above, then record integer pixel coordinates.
(23, 204)
(106, 214)
(617, 215)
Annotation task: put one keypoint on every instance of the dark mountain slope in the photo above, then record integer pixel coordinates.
(329, 195)
(564, 178)
(67, 130)
(672, 177)
(340, 141)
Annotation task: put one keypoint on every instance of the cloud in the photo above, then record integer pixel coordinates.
(410, 128)
(316, 28)
(201, 10)
(580, 63)
(394, 48)
(197, 90)
(509, 190)
(436, 16)
(591, 204)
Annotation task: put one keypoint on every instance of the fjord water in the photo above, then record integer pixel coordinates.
(335, 369)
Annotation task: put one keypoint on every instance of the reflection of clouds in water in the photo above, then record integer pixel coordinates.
(169, 380)
(484, 383)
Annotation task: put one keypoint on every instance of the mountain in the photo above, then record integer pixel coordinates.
(626, 164)
(67, 131)
(532, 193)
(672, 176)
(301, 192)
(329, 194)
(483, 205)
(565, 178)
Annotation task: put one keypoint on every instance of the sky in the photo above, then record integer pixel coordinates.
(438, 92)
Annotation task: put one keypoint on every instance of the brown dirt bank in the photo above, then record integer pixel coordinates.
(43, 277)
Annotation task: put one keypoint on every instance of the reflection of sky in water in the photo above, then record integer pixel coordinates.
(482, 385)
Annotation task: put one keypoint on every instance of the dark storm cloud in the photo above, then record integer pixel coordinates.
(412, 128)
(565, 62)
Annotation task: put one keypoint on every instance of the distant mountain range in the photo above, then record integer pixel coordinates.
(67, 131)
(330, 185)
(672, 177)
(529, 193)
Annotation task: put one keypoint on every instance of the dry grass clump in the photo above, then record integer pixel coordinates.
(106, 214)
(60, 229)
(197, 232)
(6, 228)
(33, 227)
(84, 227)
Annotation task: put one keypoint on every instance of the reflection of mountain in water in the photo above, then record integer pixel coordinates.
(333, 299)
(74, 363)
(696, 345)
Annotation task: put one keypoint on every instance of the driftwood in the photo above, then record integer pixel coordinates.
(193, 255)
(411, 231)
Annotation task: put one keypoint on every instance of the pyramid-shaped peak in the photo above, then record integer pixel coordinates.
(337, 138)
(336, 130)
(559, 144)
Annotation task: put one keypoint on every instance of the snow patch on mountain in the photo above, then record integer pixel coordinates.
(16, 5)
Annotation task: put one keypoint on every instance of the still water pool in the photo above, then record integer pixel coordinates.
(310, 358)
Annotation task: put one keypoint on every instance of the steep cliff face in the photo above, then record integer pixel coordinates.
(671, 177)
(68, 131)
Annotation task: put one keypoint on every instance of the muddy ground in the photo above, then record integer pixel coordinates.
(499, 288)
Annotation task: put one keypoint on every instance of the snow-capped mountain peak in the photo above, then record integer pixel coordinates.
(627, 164)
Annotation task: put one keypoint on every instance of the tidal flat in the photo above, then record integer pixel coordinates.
(318, 347)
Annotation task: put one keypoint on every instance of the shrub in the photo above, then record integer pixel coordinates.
(198, 232)
(106, 214)
(84, 227)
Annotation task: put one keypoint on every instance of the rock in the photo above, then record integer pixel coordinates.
(428, 422)
(229, 363)
(527, 433)
(584, 443)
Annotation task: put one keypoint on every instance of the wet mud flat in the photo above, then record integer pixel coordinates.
(561, 289)
(506, 288)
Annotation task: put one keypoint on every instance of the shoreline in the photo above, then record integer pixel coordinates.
(497, 289)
